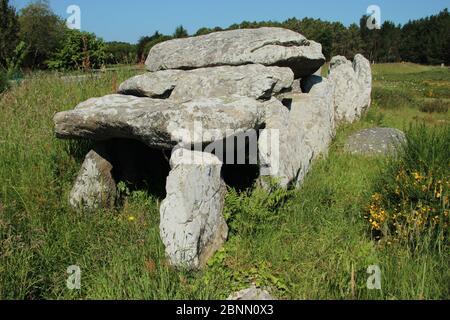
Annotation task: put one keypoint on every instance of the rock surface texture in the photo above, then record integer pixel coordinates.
(95, 186)
(251, 294)
(266, 46)
(200, 93)
(192, 225)
(375, 141)
(160, 123)
(253, 80)
(353, 87)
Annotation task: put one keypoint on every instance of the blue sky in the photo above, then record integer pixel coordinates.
(129, 20)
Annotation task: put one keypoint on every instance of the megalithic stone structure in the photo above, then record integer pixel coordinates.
(231, 82)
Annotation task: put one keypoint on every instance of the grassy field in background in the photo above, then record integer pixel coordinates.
(312, 243)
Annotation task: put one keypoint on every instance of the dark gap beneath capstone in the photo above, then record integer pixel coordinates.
(238, 174)
(141, 94)
(240, 177)
(287, 102)
(139, 166)
(301, 66)
(312, 81)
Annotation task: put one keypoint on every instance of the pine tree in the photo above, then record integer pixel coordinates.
(180, 32)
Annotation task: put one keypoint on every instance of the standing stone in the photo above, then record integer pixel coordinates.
(353, 87)
(192, 224)
(95, 186)
(313, 123)
(347, 89)
(298, 133)
(284, 154)
(322, 92)
(363, 72)
(266, 46)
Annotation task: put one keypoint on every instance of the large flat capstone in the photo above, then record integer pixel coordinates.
(266, 46)
(254, 81)
(160, 124)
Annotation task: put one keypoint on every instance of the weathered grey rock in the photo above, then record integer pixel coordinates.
(315, 114)
(296, 86)
(353, 87)
(94, 187)
(161, 124)
(284, 154)
(300, 133)
(192, 225)
(251, 294)
(375, 141)
(336, 61)
(363, 72)
(266, 46)
(254, 81)
(159, 85)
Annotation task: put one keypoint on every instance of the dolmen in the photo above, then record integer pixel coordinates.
(247, 96)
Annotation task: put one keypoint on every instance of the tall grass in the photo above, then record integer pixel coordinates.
(436, 105)
(411, 205)
(312, 243)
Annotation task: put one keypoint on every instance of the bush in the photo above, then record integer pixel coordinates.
(412, 202)
(435, 106)
(393, 99)
(80, 51)
(120, 53)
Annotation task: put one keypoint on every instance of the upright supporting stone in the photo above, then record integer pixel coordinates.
(284, 154)
(363, 72)
(192, 224)
(353, 83)
(315, 113)
(298, 134)
(95, 186)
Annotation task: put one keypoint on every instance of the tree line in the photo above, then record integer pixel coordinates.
(424, 41)
(36, 38)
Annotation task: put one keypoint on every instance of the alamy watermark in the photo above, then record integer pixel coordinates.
(374, 280)
(74, 20)
(374, 17)
(74, 280)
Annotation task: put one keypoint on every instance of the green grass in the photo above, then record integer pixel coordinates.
(316, 244)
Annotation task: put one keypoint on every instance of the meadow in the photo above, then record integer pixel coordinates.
(313, 243)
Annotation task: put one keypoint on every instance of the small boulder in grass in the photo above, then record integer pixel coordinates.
(251, 294)
(375, 141)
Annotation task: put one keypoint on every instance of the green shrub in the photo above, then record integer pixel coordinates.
(412, 202)
(388, 98)
(79, 51)
(13, 63)
(250, 212)
(435, 106)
